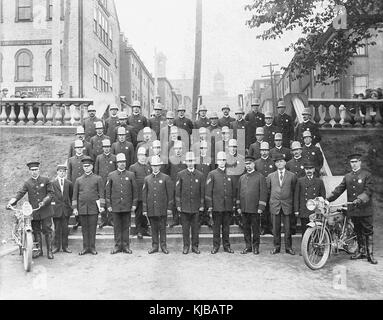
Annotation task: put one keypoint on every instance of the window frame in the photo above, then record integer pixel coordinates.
(17, 18)
(48, 71)
(1, 67)
(353, 82)
(364, 54)
(17, 55)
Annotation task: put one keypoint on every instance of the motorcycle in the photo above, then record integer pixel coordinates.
(329, 231)
(22, 233)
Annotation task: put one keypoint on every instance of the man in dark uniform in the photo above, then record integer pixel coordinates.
(89, 123)
(62, 209)
(295, 165)
(105, 164)
(240, 124)
(285, 124)
(147, 138)
(312, 153)
(270, 129)
(251, 203)
(279, 149)
(190, 202)
(88, 201)
(121, 201)
(182, 122)
(158, 121)
(255, 120)
(165, 130)
(226, 119)
(254, 149)
(308, 187)
(40, 194)
(80, 135)
(137, 120)
(203, 121)
(112, 122)
(96, 141)
(220, 200)
(141, 169)
(130, 134)
(307, 124)
(123, 146)
(359, 186)
(157, 200)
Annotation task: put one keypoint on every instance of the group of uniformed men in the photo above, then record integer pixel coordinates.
(253, 167)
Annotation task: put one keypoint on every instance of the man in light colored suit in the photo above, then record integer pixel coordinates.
(281, 186)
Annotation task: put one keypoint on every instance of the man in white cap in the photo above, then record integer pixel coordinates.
(255, 119)
(141, 169)
(295, 165)
(223, 143)
(190, 202)
(96, 141)
(285, 152)
(182, 122)
(165, 130)
(309, 125)
(130, 134)
(213, 121)
(80, 135)
(285, 124)
(158, 121)
(220, 200)
(105, 163)
(203, 121)
(62, 209)
(226, 119)
(112, 122)
(89, 123)
(136, 119)
(158, 201)
(121, 201)
(254, 150)
(123, 146)
(240, 124)
(312, 153)
(269, 129)
(145, 137)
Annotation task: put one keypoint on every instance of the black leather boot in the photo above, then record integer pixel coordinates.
(361, 248)
(39, 240)
(370, 250)
(48, 240)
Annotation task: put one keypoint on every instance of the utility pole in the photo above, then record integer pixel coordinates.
(197, 58)
(270, 66)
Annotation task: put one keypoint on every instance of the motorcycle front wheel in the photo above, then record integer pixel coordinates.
(315, 251)
(27, 251)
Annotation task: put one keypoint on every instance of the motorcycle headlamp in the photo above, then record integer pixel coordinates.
(311, 204)
(27, 209)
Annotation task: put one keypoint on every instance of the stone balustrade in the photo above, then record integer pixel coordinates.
(43, 112)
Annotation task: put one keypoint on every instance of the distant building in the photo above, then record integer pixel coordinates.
(168, 96)
(184, 91)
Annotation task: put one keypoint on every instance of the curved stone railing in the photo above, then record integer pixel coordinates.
(43, 112)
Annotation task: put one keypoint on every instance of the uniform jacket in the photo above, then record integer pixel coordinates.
(140, 171)
(359, 185)
(130, 135)
(39, 190)
(286, 152)
(235, 167)
(286, 126)
(270, 132)
(138, 122)
(121, 191)
(205, 165)
(172, 169)
(156, 124)
(307, 189)
(225, 121)
(126, 148)
(110, 125)
(184, 123)
(157, 195)
(312, 127)
(87, 190)
(96, 145)
(62, 201)
(220, 191)
(281, 197)
(235, 125)
(313, 154)
(252, 192)
(190, 191)
(254, 150)
(89, 125)
(104, 165)
(87, 149)
(296, 166)
(202, 122)
(75, 169)
(265, 166)
(255, 119)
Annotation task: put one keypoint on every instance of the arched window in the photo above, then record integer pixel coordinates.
(23, 62)
(48, 60)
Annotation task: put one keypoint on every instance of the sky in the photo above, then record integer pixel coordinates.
(228, 45)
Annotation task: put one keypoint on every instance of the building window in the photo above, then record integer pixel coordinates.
(23, 62)
(49, 9)
(1, 11)
(360, 84)
(48, 59)
(1, 67)
(361, 51)
(102, 28)
(104, 3)
(102, 77)
(95, 74)
(24, 10)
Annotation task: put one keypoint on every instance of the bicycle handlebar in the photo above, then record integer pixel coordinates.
(10, 207)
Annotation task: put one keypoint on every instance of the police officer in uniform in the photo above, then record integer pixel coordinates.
(137, 120)
(295, 165)
(40, 194)
(89, 123)
(88, 201)
(255, 119)
(269, 129)
(312, 153)
(220, 200)
(157, 200)
(285, 124)
(226, 119)
(240, 124)
(158, 121)
(123, 146)
(215, 134)
(254, 150)
(182, 122)
(96, 141)
(190, 202)
(130, 134)
(359, 186)
(147, 137)
(203, 121)
(165, 130)
(80, 135)
(307, 125)
(121, 200)
(112, 122)
(279, 149)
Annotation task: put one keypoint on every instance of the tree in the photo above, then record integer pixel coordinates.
(320, 44)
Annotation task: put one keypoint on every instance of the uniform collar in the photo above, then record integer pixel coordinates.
(308, 145)
(155, 175)
(191, 171)
(356, 172)
(250, 172)
(297, 158)
(120, 171)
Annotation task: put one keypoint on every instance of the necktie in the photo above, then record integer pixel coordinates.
(62, 186)
(281, 178)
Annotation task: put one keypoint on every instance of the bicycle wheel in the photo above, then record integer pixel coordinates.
(349, 238)
(27, 251)
(314, 251)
